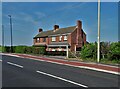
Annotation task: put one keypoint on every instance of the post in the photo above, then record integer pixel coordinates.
(98, 50)
(75, 49)
(11, 33)
(67, 51)
(2, 38)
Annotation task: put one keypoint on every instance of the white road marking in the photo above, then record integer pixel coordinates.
(60, 78)
(15, 64)
(0, 60)
(84, 67)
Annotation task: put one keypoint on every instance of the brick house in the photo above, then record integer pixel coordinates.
(61, 39)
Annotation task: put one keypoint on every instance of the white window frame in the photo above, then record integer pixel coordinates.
(65, 37)
(53, 38)
(38, 39)
(60, 38)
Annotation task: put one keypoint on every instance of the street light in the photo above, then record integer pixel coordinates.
(11, 31)
(2, 38)
(98, 50)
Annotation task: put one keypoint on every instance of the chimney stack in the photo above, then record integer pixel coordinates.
(56, 27)
(40, 30)
(79, 24)
(79, 31)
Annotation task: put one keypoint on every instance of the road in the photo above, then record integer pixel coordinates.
(23, 72)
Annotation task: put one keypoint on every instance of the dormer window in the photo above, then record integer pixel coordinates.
(65, 37)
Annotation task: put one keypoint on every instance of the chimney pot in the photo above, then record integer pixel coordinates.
(56, 27)
(40, 29)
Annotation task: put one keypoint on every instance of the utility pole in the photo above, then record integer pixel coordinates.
(98, 50)
(11, 32)
(2, 38)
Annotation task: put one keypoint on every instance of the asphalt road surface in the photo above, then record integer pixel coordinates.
(23, 72)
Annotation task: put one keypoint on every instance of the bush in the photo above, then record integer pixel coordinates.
(88, 51)
(42, 50)
(7, 49)
(54, 53)
(20, 49)
(29, 49)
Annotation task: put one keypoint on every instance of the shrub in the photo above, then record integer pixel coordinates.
(88, 51)
(28, 49)
(42, 50)
(35, 50)
(20, 49)
(7, 49)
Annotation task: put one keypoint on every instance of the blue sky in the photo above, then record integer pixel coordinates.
(27, 17)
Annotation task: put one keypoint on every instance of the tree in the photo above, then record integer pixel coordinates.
(114, 52)
(104, 47)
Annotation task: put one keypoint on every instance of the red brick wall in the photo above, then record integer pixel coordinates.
(73, 40)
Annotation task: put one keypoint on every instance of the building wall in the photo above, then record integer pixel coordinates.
(73, 40)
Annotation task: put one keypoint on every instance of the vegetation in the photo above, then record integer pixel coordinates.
(0, 48)
(110, 52)
(26, 49)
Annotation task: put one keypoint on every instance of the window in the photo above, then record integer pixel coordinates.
(44, 39)
(65, 37)
(53, 38)
(38, 39)
(60, 38)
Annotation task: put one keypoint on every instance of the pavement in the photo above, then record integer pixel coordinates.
(19, 71)
(85, 65)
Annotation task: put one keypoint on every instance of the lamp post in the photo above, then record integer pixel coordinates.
(11, 32)
(2, 38)
(98, 48)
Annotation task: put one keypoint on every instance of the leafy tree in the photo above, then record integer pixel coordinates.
(114, 52)
(104, 48)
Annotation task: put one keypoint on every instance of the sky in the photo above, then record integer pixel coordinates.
(28, 17)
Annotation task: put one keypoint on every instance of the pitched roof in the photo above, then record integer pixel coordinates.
(59, 31)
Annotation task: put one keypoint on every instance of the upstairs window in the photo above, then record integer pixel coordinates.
(60, 38)
(38, 39)
(65, 37)
(53, 38)
(44, 39)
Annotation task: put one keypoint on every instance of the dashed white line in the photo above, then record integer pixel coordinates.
(60, 78)
(83, 67)
(15, 64)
